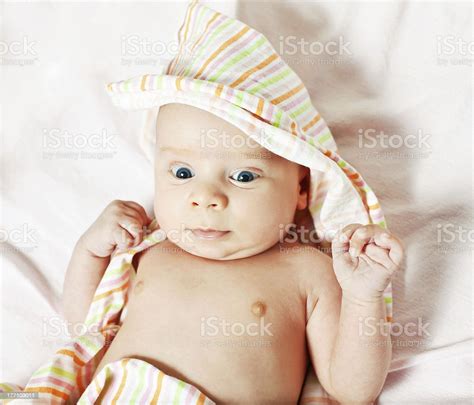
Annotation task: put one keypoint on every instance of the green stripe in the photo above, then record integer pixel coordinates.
(239, 97)
(140, 385)
(301, 110)
(179, 391)
(204, 46)
(341, 163)
(278, 118)
(56, 370)
(159, 82)
(117, 270)
(388, 300)
(237, 58)
(270, 81)
(87, 343)
(107, 308)
(6, 388)
(324, 137)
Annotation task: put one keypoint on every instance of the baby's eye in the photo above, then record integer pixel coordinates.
(245, 176)
(181, 172)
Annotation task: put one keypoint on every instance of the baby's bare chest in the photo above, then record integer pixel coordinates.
(206, 293)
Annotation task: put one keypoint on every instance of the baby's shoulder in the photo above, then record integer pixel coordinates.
(315, 274)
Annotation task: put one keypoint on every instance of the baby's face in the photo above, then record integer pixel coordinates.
(209, 174)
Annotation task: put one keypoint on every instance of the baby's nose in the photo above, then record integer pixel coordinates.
(209, 199)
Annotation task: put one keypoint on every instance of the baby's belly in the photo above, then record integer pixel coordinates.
(238, 340)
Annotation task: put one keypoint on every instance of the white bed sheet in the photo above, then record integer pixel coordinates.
(392, 79)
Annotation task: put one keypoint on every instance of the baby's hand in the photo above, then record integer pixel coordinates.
(122, 224)
(364, 260)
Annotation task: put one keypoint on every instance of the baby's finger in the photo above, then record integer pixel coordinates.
(340, 243)
(138, 208)
(396, 248)
(133, 226)
(379, 255)
(123, 239)
(361, 237)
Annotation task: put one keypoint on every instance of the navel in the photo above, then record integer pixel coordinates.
(258, 308)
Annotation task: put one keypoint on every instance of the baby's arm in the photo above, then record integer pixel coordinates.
(120, 224)
(352, 359)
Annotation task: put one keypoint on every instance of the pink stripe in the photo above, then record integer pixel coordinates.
(148, 391)
(235, 47)
(295, 103)
(274, 66)
(51, 380)
(320, 127)
(191, 396)
(203, 40)
(92, 394)
(116, 282)
(376, 215)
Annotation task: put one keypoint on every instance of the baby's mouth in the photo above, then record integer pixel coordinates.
(208, 234)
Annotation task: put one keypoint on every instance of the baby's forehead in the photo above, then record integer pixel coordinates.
(186, 129)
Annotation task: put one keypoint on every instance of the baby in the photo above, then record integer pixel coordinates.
(227, 302)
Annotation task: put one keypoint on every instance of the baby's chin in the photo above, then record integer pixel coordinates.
(219, 250)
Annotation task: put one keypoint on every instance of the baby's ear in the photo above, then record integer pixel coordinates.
(303, 178)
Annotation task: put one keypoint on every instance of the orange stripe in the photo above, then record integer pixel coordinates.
(219, 89)
(175, 60)
(70, 353)
(221, 48)
(328, 153)
(103, 391)
(260, 66)
(312, 122)
(110, 292)
(374, 207)
(142, 83)
(178, 82)
(158, 388)
(287, 95)
(216, 14)
(353, 176)
(259, 107)
(48, 390)
(201, 399)
(189, 19)
(293, 128)
(123, 364)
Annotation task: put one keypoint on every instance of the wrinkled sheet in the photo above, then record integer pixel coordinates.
(401, 68)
